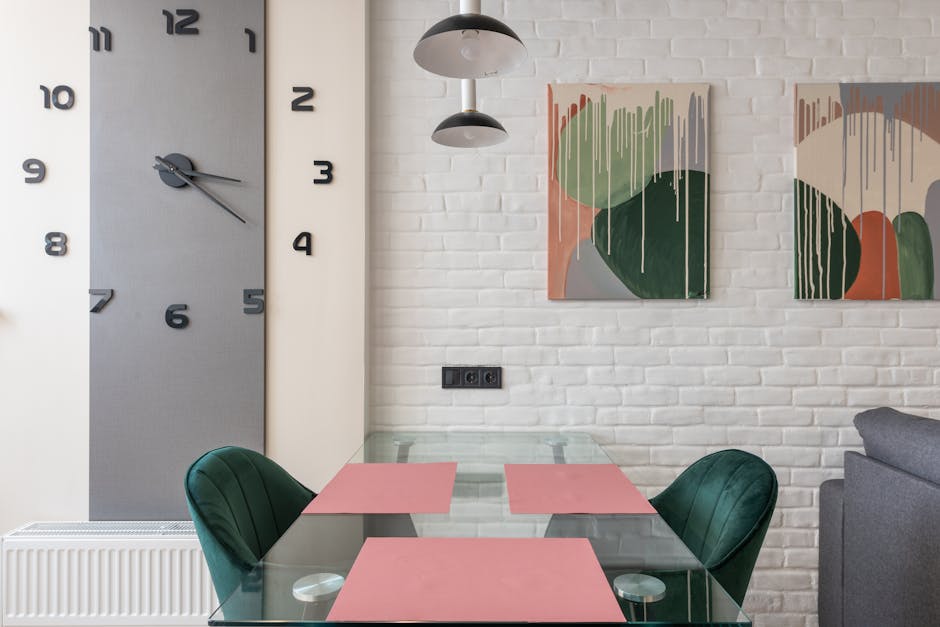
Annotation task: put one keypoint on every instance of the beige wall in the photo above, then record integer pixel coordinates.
(315, 305)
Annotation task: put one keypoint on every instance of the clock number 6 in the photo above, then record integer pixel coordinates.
(254, 299)
(326, 172)
(176, 320)
(303, 243)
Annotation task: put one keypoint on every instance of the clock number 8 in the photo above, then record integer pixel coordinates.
(176, 320)
(56, 244)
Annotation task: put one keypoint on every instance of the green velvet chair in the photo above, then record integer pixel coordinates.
(241, 502)
(720, 506)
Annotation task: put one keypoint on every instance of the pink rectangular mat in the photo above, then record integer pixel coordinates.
(572, 489)
(476, 579)
(387, 489)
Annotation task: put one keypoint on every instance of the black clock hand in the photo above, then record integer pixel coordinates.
(198, 173)
(186, 179)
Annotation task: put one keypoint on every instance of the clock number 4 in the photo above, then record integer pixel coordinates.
(35, 167)
(53, 98)
(297, 104)
(326, 172)
(183, 27)
(56, 244)
(174, 319)
(106, 296)
(303, 243)
(254, 301)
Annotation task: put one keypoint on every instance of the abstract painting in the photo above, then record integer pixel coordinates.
(628, 191)
(867, 191)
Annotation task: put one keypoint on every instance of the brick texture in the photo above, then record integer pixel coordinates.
(458, 256)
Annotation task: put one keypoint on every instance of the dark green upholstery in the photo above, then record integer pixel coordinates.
(241, 502)
(720, 506)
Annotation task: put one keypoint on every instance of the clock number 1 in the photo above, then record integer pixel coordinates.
(176, 320)
(183, 26)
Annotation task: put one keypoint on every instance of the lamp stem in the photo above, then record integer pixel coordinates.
(468, 94)
(470, 6)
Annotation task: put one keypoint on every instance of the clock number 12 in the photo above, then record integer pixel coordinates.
(183, 27)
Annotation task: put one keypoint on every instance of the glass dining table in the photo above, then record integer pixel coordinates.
(318, 546)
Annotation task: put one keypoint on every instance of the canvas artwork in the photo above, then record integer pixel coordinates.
(867, 191)
(628, 191)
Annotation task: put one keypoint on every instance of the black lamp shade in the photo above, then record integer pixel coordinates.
(469, 45)
(469, 129)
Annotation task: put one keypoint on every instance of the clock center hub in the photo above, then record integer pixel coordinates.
(180, 161)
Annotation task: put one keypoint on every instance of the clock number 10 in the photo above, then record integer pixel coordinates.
(183, 27)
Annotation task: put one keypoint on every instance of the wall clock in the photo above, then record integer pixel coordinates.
(177, 244)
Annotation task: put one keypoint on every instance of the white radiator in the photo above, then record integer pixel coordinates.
(104, 573)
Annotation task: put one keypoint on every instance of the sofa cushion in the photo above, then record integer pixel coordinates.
(907, 442)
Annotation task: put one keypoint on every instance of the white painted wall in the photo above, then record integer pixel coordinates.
(316, 322)
(459, 241)
(43, 300)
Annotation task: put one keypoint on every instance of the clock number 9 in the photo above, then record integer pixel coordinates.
(254, 299)
(176, 320)
(326, 172)
(303, 243)
(54, 98)
(56, 244)
(35, 167)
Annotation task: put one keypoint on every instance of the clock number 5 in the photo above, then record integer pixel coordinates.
(176, 320)
(106, 296)
(326, 172)
(183, 26)
(254, 299)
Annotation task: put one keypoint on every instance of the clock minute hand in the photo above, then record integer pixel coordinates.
(186, 179)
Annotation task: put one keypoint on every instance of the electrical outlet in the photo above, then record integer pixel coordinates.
(471, 377)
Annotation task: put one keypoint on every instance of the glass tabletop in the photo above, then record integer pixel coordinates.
(316, 546)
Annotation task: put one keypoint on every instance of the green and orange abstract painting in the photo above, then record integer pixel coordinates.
(867, 191)
(628, 191)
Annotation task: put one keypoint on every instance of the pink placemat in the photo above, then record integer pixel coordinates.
(476, 579)
(387, 489)
(572, 489)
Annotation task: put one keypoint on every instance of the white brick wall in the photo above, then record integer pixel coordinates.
(458, 255)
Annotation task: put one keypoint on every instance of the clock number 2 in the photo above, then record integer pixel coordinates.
(106, 296)
(303, 243)
(174, 319)
(297, 104)
(183, 27)
(254, 301)
(326, 172)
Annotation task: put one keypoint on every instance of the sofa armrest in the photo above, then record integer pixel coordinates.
(831, 589)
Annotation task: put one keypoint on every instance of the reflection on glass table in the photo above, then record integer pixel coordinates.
(325, 545)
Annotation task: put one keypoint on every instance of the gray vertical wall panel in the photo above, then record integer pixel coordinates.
(160, 397)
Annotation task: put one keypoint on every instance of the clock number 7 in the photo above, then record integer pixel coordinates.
(106, 295)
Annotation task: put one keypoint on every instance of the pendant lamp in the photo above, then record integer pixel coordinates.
(469, 128)
(469, 45)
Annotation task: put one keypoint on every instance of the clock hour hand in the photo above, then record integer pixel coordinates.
(172, 169)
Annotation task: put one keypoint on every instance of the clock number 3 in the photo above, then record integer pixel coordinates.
(326, 172)
(254, 301)
(183, 27)
(174, 319)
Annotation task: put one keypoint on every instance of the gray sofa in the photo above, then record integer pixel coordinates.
(879, 528)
